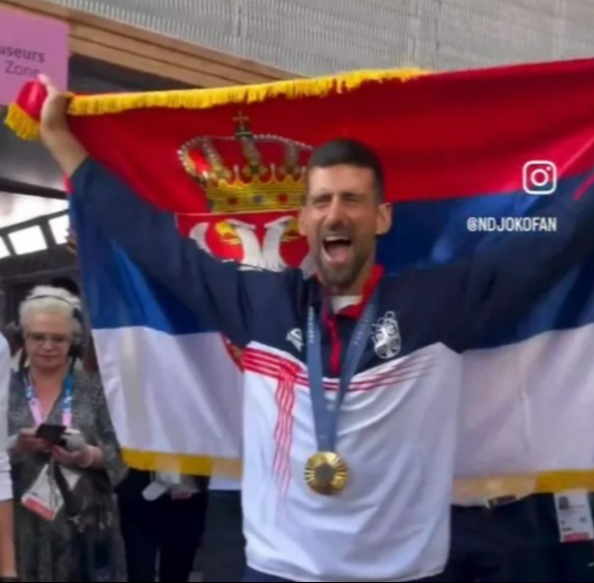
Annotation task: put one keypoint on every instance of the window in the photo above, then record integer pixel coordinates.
(3, 249)
(28, 240)
(59, 227)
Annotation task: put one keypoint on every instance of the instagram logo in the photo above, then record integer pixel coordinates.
(539, 177)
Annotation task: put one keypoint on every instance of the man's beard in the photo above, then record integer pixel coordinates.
(339, 278)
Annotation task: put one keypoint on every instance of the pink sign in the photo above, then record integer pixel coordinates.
(30, 45)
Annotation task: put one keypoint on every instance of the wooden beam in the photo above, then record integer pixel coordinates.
(111, 55)
(148, 52)
(12, 187)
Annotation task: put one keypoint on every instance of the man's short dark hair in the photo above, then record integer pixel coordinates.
(352, 153)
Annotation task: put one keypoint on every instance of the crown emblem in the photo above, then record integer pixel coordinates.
(247, 172)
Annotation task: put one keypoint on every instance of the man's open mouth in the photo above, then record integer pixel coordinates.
(337, 248)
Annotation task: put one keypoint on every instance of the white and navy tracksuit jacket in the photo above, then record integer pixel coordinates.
(398, 424)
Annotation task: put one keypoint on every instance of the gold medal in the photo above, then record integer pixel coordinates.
(326, 473)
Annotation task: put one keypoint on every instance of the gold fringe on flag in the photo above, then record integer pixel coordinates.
(470, 487)
(207, 98)
(26, 127)
(21, 123)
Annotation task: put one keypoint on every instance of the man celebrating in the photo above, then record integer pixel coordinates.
(373, 389)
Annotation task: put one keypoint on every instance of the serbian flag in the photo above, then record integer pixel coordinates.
(467, 155)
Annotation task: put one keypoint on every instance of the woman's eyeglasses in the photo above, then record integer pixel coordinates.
(42, 338)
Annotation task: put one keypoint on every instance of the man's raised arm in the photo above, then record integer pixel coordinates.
(510, 271)
(229, 298)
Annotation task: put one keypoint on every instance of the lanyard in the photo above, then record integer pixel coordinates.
(35, 406)
(325, 415)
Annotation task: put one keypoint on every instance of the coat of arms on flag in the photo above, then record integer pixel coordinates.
(254, 186)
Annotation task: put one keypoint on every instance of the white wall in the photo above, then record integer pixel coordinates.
(313, 37)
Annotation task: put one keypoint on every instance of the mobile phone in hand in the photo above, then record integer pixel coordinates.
(51, 433)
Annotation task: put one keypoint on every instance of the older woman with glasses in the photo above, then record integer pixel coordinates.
(64, 453)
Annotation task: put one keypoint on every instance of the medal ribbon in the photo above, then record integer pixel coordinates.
(325, 413)
(35, 406)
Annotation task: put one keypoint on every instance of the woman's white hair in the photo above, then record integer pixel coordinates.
(49, 299)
